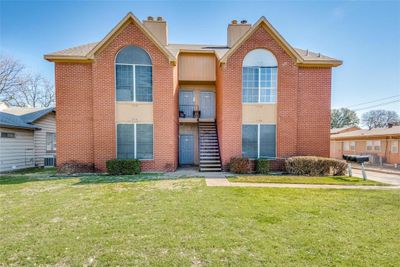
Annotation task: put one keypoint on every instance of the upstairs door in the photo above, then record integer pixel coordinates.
(207, 105)
(186, 103)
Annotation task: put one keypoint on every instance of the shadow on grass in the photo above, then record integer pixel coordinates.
(14, 179)
(87, 179)
(107, 179)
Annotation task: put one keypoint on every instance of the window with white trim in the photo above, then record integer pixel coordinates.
(374, 145)
(259, 77)
(50, 142)
(394, 147)
(7, 135)
(135, 141)
(133, 71)
(349, 146)
(258, 141)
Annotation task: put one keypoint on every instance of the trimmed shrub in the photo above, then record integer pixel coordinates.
(262, 166)
(123, 166)
(239, 165)
(71, 167)
(315, 166)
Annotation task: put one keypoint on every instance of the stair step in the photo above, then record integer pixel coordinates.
(202, 161)
(210, 169)
(209, 145)
(210, 163)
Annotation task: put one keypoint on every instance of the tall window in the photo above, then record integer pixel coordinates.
(259, 77)
(394, 146)
(50, 142)
(258, 141)
(135, 141)
(133, 70)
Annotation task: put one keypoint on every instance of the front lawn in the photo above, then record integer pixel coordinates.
(96, 221)
(292, 179)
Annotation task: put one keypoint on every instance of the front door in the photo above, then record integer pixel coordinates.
(207, 105)
(186, 103)
(186, 149)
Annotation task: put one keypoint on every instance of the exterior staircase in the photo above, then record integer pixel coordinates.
(209, 157)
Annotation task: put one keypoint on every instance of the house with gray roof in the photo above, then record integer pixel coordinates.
(28, 137)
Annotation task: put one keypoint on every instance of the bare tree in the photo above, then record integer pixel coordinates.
(380, 118)
(18, 88)
(34, 91)
(10, 77)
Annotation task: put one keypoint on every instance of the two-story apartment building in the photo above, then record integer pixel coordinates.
(135, 95)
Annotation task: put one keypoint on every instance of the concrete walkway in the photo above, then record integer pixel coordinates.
(386, 178)
(393, 180)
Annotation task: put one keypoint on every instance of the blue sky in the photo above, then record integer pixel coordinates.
(364, 34)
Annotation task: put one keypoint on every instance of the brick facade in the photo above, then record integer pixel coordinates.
(86, 104)
(301, 92)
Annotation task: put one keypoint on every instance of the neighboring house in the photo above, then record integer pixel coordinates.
(28, 138)
(134, 95)
(344, 129)
(382, 144)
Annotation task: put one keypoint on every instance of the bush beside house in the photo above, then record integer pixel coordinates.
(315, 166)
(262, 166)
(239, 165)
(123, 166)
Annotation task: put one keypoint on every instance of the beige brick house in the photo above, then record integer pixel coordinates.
(135, 95)
(381, 144)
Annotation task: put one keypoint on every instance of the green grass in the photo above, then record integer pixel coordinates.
(95, 220)
(291, 179)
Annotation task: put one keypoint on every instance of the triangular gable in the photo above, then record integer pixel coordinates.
(119, 27)
(263, 22)
(300, 61)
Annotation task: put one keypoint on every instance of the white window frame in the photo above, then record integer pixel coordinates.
(394, 144)
(370, 144)
(259, 85)
(377, 143)
(134, 82)
(8, 135)
(53, 143)
(346, 146)
(258, 138)
(134, 139)
(352, 145)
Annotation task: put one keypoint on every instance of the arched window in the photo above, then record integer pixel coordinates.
(133, 70)
(259, 76)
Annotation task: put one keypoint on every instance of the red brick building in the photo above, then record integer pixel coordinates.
(134, 95)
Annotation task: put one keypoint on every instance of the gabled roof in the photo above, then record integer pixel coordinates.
(87, 52)
(302, 57)
(344, 129)
(14, 121)
(394, 130)
(23, 117)
(34, 116)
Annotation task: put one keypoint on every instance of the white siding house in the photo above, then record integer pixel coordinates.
(17, 149)
(28, 138)
(44, 138)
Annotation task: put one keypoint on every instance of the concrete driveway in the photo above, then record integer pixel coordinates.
(392, 179)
